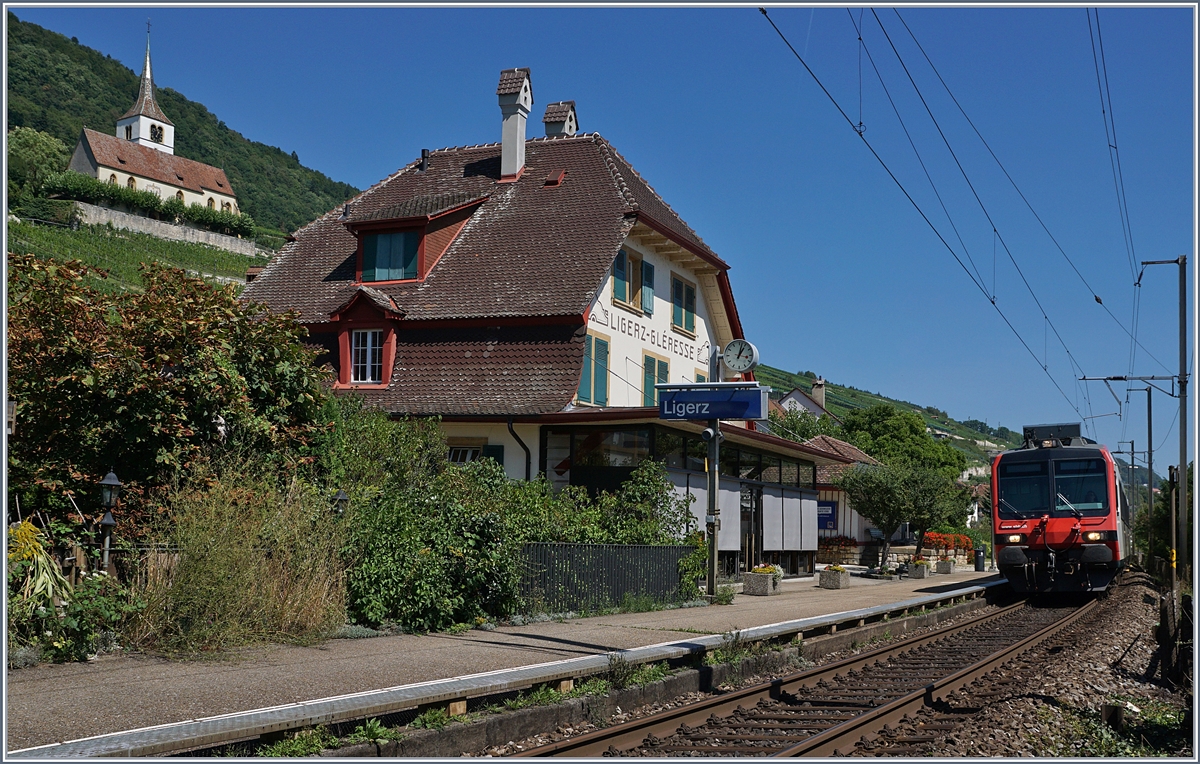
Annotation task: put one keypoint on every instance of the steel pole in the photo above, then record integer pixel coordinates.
(1183, 420)
(714, 456)
(1174, 478)
(1150, 472)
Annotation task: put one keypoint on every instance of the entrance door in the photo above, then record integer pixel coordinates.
(752, 541)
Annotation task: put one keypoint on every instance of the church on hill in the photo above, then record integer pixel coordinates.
(141, 155)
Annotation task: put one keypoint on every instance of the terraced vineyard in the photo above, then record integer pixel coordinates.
(120, 253)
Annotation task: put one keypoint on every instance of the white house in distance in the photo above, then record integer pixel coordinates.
(531, 293)
(141, 155)
(798, 400)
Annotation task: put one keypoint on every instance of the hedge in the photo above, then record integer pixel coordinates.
(85, 188)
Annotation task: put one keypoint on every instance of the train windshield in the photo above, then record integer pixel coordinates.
(1079, 484)
(1024, 489)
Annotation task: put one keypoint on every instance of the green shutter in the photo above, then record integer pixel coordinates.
(494, 452)
(664, 375)
(689, 308)
(647, 288)
(676, 302)
(369, 247)
(701, 378)
(585, 381)
(649, 373)
(601, 380)
(620, 278)
(404, 254)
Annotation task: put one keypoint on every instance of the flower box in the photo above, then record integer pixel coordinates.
(835, 579)
(760, 584)
(945, 566)
(919, 571)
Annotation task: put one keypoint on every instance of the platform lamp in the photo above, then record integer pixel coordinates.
(340, 502)
(110, 490)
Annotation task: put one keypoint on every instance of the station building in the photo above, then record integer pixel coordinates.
(531, 293)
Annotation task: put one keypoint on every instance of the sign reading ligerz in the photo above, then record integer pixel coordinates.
(716, 402)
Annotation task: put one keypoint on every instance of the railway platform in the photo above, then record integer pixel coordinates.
(50, 704)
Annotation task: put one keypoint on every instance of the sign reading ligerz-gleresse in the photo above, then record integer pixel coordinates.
(716, 401)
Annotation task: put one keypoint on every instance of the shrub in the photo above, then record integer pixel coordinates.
(303, 743)
(724, 596)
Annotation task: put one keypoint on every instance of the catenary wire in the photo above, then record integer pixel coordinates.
(1021, 194)
(982, 289)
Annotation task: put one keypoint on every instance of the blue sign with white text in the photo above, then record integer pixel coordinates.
(713, 404)
(827, 515)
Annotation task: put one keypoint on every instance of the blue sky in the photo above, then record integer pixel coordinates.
(833, 269)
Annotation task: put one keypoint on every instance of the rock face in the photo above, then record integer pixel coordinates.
(760, 584)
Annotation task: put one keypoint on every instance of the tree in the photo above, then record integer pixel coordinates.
(32, 157)
(144, 383)
(896, 436)
(933, 500)
(801, 425)
(877, 492)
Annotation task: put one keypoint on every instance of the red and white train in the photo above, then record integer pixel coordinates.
(1059, 512)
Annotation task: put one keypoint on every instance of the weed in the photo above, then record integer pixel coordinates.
(639, 603)
(724, 595)
(303, 743)
(733, 649)
(373, 729)
(650, 672)
(590, 687)
(458, 628)
(354, 631)
(540, 696)
(432, 719)
(620, 671)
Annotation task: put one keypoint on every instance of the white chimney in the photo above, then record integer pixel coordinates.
(516, 98)
(560, 119)
(818, 391)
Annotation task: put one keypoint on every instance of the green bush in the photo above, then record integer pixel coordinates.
(49, 210)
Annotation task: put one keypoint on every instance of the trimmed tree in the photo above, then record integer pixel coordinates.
(877, 492)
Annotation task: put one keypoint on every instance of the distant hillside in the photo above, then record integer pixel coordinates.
(58, 86)
(965, 436)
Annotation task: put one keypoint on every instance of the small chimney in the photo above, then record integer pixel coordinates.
(560, 119)
(818, 391)
(516, 98)
(424, 160)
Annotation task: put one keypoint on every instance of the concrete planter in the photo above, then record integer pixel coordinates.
(945, 566)
(835, 579)
(760, 584)
(919, 571)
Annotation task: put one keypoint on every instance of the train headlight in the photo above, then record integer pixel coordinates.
(1015, 538)
(1093, 536)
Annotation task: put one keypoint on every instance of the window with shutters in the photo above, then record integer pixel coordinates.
(593, 382)
(390, 256)
(683, 305)
(633, 283)
(655, 370)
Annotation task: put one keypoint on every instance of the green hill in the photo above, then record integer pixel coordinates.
(58, 86)
(839, 399)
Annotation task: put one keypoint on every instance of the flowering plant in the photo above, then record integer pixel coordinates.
(767, 569)
(837, 542)
(921, 561)
(835, 568)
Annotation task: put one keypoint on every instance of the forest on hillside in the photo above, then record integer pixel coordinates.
(58, 86)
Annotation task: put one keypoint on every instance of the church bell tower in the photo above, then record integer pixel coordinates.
(145, 124)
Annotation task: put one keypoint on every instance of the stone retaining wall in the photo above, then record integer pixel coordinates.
(90, 214)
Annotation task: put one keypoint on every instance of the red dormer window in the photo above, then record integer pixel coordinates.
(366, 340)
(397, 245)
(391, 256)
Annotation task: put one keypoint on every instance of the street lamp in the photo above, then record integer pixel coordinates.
(340, 501)
(110, 489)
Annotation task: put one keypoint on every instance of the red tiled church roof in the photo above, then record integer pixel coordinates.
(145, 162)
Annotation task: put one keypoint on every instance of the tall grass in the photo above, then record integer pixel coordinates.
(243, 559)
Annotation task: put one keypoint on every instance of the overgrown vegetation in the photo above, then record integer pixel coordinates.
(57, 86)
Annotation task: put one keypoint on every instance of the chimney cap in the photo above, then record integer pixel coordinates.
(561, 119)
(511, 81)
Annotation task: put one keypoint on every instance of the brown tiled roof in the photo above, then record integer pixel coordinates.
(507, 371)
(527, 251)
(377, 298)
(145, 162)
(419, 206)
(827, 475)
(145, 103)
(511, 79)
(558, 112)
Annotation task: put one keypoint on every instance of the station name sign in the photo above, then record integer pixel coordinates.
(712, 401)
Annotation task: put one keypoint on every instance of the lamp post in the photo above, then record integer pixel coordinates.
(110, 490)
(340, 502)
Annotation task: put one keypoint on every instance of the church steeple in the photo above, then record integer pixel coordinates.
(145, 124)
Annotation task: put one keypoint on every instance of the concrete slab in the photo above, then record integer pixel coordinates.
(53, 703)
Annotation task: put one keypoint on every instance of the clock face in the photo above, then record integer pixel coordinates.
(740, 356)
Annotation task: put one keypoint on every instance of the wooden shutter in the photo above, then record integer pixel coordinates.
(620, 278)
(369, 256)
(689, 308)
(404, 249)
(494, 452)
(676, 302)
(664, 376)
(585, 381)
(600, 385)
(649, 373)
(647, 288)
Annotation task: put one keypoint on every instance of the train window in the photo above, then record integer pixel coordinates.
(1080, 484)
(1024, 489)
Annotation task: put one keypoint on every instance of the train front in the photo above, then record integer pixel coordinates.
(1059, 513)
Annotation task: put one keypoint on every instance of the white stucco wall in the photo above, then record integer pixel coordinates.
(633, 334)
(497, 434)
(141, 133)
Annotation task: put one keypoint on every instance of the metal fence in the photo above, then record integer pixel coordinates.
(590, 577)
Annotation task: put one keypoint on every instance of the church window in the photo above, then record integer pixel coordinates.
(129, 132)
(226, 207)
(390, 256)
(212, 205)
(112, 179)
(131, 182)
(179, 195)
(156, 133)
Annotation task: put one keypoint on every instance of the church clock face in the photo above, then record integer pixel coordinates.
(740, 356)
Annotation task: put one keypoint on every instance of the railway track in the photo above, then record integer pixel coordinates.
(828, 710)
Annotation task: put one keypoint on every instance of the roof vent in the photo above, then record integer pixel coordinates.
(516, 98)
(560, 119)
(555, 178)
(424, 161)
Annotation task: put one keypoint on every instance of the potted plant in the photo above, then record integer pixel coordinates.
(763, 580)
(945, 564)
(835, 577)
(919, 568)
